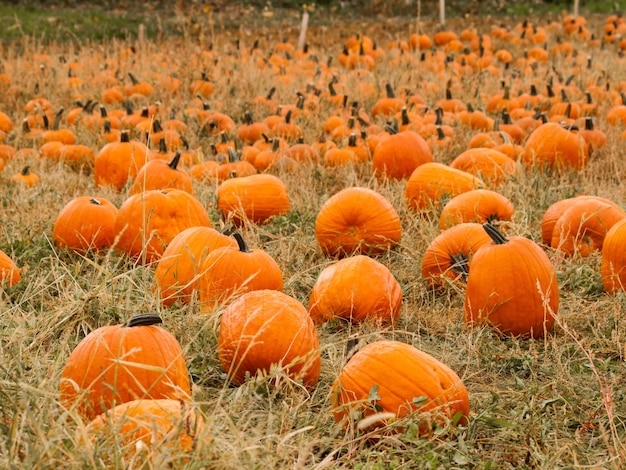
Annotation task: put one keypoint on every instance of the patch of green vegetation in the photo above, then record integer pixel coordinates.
(69, 24)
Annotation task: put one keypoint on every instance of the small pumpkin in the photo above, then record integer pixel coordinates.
(264, 329)
(356, 289)
(9, 272)
(254, 198)
(117, 162)
(119, 363)
(388, 380)
(477, 205)
(613, 266)
(85, 223)
(357, 220)
(396, 156)
(159, 174)
(512, 287)
(26, 178)
(490, 165)
(159, 425)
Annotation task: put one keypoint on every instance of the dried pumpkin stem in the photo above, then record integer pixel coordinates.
(243, 247)
(460, 265)
(494, 234)
(145, 319)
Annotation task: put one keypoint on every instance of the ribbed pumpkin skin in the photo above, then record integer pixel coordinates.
(401, 373)
(266, 327)
(552, 146)
(461, 240)
(117, 364)
(178, 270)
(582, 227)
(432, 181)
(253, 198)
(229, 270)
(158, 215)
(613, 267)
(9, 272)
(158, 174)
(477, 205)
(162, 424)
(490, 165)
(85, 223)
(397, 155)
(356, 289)
(556, 210)
(117, 162)
(357, 220)
(507, 287)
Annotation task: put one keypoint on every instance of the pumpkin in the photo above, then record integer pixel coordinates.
(254, 198)
(160, 425)
(356, 289)
(357, 220)
(512, 287)
(178, 270)
(148, 221)
(264, 329)
(583, 225)
(25, 178)
(230, 271)
(477, 205)
(447, 257)
(556, 210)
(117, 162)
(159, 174)
(9, 272)
(119, 363)
(431, 182)
(490, 165)
(85, 223)
(613, 266)
(397, 155)
(389, 380)
(553, 146)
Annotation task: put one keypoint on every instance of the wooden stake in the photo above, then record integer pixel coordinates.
(576, 2)
(303, 27)
(442, 12)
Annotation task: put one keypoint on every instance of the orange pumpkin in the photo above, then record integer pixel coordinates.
(553, 146)
(391, 380)
(85, 223)
(9, 272)
(512, 287)
(265, 329)
(613, 267)
(356, 289)
(120, 363)
(397, 155)
(117, 162)
(477, 205)
(357, 220)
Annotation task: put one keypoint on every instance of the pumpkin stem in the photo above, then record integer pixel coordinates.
(405, 117)
(440, 134)
(288, 117)
(389, 91)
(270, 94)
(125, 136)
(247, 118)
(352, 140)
(589, 123)
(460, 265)
(331, 89)
(162, 146)
(107, 126)
(494, 234)
(25, 171)
(133, 78)
(243, 247)
(174, 163)
(276, 144)
(93, 200)
(146, 319)
(232, 155)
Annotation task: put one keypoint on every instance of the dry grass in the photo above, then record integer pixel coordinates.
(555, 402)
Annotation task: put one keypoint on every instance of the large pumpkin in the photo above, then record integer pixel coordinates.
(399, 380)
(397, 155)
(356, 289)
(85, 223)
(119, 363)
(266, 328)
(553, 146)
(178, 270)
(148, 221)
(511, 286)
(357, 220)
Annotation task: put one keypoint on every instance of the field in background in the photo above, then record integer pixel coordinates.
(556, 402)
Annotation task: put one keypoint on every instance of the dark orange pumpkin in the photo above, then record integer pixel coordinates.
(613, 267)
(9, 272)
(397, 155)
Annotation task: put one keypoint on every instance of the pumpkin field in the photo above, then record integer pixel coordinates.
(308, 244)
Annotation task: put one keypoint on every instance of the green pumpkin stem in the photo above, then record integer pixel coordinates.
(494, 234)
(146, 319)
(243, 247)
